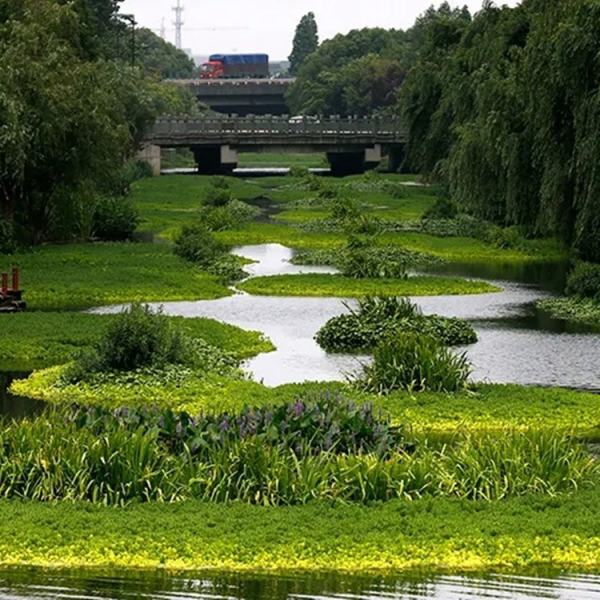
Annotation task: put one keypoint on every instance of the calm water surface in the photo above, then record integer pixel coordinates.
(27, 584)
(517, 343)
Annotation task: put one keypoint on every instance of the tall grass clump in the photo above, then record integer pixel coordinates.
(416, 363)
(112, 460)
(584, 281)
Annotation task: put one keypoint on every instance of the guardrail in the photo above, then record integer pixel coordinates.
(379, 130)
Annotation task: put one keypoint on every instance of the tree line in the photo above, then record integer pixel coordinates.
(503, 107)
(73, 111)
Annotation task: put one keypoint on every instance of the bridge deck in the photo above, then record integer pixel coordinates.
(260, 131)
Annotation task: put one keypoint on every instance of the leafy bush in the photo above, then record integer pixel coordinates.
(231, 215)
(378, 319)
(443, 209)
(115, 219)
(416, 363)
(344, 209)
(218, 197)
(7, 239)
(297, 171)
(140, 337)
(313, 423)
(196, 244)
(584, 281)
(227, 268)
(120, 182)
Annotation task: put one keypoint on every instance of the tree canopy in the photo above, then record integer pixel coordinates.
(69, 115)
(306, 41)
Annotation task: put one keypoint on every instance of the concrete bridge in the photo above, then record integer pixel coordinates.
(351, 145)
(240, 96)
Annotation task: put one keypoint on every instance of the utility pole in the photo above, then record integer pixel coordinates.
(163, 29)
(131, 20)
(178, 10)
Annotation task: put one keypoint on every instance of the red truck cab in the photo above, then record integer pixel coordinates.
(212, 70)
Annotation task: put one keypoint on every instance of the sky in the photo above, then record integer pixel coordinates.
(248, 26)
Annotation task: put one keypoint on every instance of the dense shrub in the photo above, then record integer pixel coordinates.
(312, 423)
(120, 182)
(344, 209)
(378, 319)
(443, 208)
(297, 171)
(7, 239)
(115, 219)
(218, 197)
(584, 281)
(231, 215)
(368, 262)
(227, 268)
(414, 362)
(196, 244)
(139, 337)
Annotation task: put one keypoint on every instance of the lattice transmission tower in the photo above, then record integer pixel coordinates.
(178, 10)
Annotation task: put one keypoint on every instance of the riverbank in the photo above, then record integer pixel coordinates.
(438, 535)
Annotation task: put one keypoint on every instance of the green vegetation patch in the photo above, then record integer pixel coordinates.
(78, 276)
(577, 310)
(36, 340)
(435, 534)
(311, 285)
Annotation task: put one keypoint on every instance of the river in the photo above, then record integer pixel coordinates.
(30, 584)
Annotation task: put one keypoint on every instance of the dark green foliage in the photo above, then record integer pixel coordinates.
(378, 319)
(115, 219)
(196, 244)
(227, 268)
(505, 110)
(137, 338)
(353, 74)
(444, 208)
(414, 362)
(231, 215)
(584, 281)
(7, 238)
(306, 41)
(160, 58)
(313, 422)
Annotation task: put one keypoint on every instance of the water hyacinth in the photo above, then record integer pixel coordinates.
(322, 423)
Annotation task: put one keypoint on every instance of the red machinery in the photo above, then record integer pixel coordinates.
(11, 298)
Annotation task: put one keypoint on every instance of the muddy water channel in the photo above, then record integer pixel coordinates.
(32, 584)
(517, 343)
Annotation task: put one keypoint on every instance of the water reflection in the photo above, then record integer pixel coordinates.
(30, 584)
(12, 406)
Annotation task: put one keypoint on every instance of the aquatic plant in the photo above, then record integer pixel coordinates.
(378, 318)
(414, 362)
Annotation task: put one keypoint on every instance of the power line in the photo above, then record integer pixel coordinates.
(178, 10)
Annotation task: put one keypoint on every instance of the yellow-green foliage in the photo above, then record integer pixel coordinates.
(434, 534)
(348, 287)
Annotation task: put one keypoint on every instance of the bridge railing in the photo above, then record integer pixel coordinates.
(277, 126)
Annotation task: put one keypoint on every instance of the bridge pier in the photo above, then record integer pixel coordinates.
(354, 162)
(215, 160)
(396, 158)
(151, 154)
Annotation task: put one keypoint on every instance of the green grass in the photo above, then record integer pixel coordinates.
(439, 535)
(317, 285)
(78, 276)
(272, 159)
(37, 340)
(575, 310)
(169, 202)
